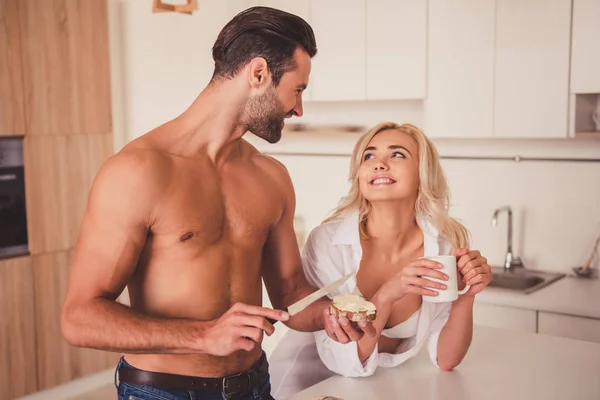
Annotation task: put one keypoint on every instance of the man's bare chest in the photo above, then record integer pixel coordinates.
(237, 209)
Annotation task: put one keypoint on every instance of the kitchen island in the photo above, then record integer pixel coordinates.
(501, 365)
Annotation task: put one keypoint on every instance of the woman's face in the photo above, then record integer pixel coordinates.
(389, 170)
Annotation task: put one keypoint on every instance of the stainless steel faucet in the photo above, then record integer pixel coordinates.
(510, 261)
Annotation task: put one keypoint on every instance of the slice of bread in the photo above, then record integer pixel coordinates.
(354, 307)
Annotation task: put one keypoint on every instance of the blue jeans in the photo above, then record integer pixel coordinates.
(127, 391)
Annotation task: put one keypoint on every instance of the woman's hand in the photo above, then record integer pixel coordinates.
(411, 280)
(344, 331)
(474, 271)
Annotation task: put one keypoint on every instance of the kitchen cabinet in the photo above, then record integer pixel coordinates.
(59, 362)
(319, 183)
(12, 111)
(58, 177)
(46, 185)
(396, 52)
(460, 69)
(66, 67)
(505, 317)
(585, 42)
(532, 68)
(569, 326)
(17, 329)
(365, 54)
(339, 69)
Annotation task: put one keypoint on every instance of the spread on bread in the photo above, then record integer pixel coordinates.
(354, 307)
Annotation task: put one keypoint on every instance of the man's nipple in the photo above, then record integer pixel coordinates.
(186, 236)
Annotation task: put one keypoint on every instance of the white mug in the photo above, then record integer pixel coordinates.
(451, 292)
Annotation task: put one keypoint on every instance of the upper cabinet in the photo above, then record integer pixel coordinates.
(339, 69)
(532, 68)
(66, 74)
(12, 113)
(396, 52)
(460, 87)
(365, 53)
(585, 51)
(498, 68)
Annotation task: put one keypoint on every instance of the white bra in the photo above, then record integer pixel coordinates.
(403, 330)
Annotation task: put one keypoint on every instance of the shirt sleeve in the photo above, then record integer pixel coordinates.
(323, 264)
(343, 358)
(440, 317)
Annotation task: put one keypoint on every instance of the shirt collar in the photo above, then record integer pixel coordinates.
(347, 233)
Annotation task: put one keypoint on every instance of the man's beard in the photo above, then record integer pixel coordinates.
(263, 116)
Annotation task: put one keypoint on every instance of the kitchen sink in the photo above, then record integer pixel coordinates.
(522, 280)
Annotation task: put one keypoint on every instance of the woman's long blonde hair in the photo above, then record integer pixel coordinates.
(434, 195)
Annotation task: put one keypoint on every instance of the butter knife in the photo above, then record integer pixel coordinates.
(311, 298)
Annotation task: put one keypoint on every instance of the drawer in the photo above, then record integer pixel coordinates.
(504, 317)
(569, 326)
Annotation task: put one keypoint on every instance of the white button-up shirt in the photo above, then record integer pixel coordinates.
(302, 359)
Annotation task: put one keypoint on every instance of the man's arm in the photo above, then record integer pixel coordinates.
(282, 266)
(113, 232)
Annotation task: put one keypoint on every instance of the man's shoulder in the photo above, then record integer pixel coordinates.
(136, 165)
(264, 160)
(269, 164)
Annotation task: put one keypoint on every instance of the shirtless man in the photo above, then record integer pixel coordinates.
(189, 217)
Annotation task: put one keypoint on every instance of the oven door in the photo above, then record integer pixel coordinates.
(13, 215)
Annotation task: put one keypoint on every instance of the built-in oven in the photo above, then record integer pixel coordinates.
(13, 211)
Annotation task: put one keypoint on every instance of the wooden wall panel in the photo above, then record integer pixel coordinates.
(66, 68)
(58, 362)
(17, 331)
(12, 113)
(59, 174)
(85, 159)
(47, 193)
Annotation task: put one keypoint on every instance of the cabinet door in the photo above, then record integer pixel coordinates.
(60, 171)
(504, 317)
(58, 362)
(338, 70)
(396, 49)
(460, 88)
(66, 66)
(585, 53)
(316, 198)
(569, 326)
(532, 68)
(12, 113)
(17, 329)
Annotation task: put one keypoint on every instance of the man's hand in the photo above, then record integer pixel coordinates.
(240, 328)
(343, 331)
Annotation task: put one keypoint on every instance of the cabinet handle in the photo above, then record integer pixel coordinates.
(8, 177)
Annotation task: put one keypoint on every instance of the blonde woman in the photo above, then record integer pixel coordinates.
(395, 213)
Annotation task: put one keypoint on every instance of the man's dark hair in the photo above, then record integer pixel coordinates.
(262, 32)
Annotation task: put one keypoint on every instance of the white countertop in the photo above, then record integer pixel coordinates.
(500, 365)
(569, 295)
